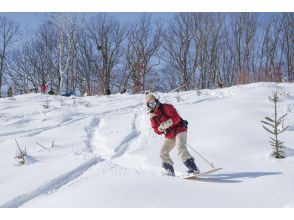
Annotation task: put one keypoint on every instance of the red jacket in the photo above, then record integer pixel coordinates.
(43, 88)
(157, 117)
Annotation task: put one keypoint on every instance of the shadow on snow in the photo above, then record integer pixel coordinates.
(233, 177)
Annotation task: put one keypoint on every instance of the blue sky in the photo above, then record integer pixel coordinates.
(29, 21)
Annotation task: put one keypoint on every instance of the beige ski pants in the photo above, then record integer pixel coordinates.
(180, 143)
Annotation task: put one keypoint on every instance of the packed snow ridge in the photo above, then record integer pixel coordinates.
(101, 151)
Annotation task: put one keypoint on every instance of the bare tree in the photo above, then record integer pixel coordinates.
(19, 71)
(67, 27)
(8, 32)
(86, 64)
(34, 62)
(243, 30)
(143, 41)
(26, 69)
(181, 51)
(46, 44)
(227, 58)
(106, 34)
(171, 78)
(215, 45)
(287, 45)
(208, 34)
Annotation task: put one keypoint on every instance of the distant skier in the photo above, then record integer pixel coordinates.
(51, 92)
(165, 120)
(9, 92)
(43, 87)
(124, 90)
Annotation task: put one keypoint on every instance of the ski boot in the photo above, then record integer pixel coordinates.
(168, 169)
(190, 164)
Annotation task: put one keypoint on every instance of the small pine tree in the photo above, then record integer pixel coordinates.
(273, 127)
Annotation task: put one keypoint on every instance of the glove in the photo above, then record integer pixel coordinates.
(165, 125)
(168, 123)
(160, 129)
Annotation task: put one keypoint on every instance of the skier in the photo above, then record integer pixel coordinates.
(43, 87)
(51, 92)
(9, 92)
(165, 120)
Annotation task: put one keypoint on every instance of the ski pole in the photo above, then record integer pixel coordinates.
(211, 164)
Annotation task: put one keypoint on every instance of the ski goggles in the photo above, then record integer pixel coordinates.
(152, 104)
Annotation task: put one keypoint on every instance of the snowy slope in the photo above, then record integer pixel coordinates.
(106, 155)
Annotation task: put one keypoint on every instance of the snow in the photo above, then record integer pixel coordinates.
(105, 154)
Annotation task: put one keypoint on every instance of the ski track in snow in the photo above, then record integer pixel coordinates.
(120, 110)
(54, 184)
(90, 130)
(76, 173)
(209, 99)
(37, 131)
(57, 183)
(123, 146)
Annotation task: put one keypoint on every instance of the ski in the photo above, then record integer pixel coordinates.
(191, 176)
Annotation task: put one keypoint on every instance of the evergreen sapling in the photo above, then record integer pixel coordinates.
(274, 127)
